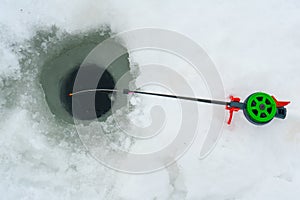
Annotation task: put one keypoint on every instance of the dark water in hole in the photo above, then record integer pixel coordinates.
(101, 101)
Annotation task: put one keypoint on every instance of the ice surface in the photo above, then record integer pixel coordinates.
(255, 46)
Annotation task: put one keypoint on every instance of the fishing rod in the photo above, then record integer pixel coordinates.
(259, 108)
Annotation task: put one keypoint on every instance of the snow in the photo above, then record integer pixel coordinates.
(255, 46)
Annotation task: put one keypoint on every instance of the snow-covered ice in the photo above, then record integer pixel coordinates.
(255, 46)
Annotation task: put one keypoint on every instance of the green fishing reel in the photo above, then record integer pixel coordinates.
(259, 108)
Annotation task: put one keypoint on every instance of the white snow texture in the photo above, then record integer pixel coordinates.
(255, 46)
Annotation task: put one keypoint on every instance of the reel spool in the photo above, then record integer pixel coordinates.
(260, 108)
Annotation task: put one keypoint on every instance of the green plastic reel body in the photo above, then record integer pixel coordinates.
(260, 108)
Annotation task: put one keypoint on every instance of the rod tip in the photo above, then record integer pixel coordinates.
(70, 94)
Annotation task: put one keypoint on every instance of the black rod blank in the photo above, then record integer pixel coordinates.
(126, 91)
